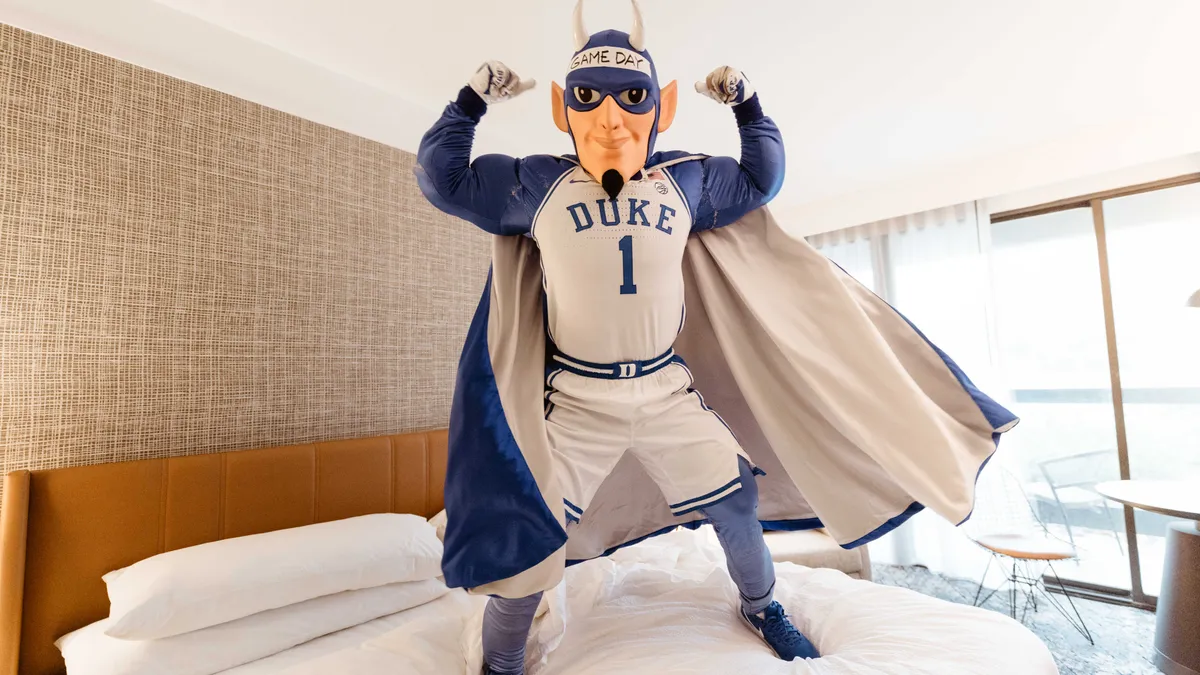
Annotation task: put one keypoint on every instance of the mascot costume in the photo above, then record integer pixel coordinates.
(624, 284)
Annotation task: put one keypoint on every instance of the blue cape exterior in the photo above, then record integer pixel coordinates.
(501, 524)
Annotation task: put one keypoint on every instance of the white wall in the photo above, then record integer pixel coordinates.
(1095, 159)
(1092, 184)
(151, 35)
(886, 107)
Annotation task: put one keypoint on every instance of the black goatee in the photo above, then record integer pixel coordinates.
(612, 182)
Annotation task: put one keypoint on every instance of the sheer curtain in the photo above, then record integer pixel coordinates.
(853, 251)
(933, 267)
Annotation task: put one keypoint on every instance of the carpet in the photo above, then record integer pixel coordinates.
(1124, 635)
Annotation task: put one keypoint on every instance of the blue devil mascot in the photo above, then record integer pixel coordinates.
(651, 350)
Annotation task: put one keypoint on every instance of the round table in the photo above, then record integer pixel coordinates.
(1177, 629)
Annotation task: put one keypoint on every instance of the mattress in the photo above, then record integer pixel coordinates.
(666, 607)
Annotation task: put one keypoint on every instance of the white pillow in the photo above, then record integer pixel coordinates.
(439, 524)
(88, 651)
(204, 585)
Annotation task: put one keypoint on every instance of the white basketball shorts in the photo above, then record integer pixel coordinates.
(683, 445)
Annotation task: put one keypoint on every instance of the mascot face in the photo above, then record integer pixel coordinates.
(612, 106)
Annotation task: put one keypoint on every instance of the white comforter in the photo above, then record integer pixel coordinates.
(666, 607)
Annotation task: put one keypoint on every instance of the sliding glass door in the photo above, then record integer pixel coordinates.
(1075, 315)
(1154, 265)
(1103, 356)
(1052, 349)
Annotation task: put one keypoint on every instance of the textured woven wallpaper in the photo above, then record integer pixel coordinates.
(182, 271)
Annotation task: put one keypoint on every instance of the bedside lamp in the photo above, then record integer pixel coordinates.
(1194, 301)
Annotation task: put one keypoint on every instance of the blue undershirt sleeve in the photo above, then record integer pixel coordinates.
(486, 192)
(731, 188)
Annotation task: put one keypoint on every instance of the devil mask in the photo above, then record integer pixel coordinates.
(612, 106)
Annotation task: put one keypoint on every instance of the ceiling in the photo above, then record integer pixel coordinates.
(884, 104)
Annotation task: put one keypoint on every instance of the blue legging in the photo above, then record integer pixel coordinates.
(506, 621)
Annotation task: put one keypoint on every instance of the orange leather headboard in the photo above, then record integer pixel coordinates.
(62, 529)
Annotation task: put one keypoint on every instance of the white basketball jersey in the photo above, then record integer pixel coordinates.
(613, 267)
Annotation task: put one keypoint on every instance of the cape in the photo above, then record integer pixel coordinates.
(857, 420)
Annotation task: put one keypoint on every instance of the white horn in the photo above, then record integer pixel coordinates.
(637, 38)
(581, 34)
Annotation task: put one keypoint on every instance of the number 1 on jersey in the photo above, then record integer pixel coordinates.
(626, 246)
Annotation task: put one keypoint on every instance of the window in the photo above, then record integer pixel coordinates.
(1154, 263)
(1053, 351)
(1020, 302)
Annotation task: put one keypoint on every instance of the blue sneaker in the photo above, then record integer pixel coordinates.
(774, 627)
(487, 670)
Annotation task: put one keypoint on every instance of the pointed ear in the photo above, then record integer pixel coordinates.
(558, 107)
(669, 100)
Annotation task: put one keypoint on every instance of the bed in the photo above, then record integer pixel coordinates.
(663, 606)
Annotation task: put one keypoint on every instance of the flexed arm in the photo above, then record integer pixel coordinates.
(732, 188)
(485, 191)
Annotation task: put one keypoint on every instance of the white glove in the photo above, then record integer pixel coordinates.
(726, 85)
(495, 81)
